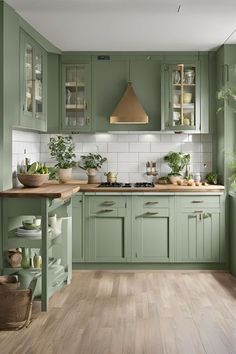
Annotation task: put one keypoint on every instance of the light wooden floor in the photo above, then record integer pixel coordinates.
(105, 312)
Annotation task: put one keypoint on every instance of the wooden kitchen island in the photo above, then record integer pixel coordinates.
(22, 203)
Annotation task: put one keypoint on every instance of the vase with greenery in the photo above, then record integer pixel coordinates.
(176, 161)
(62, 150)
(91, 163)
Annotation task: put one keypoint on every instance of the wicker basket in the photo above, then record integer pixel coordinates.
(9, 281)
(16, 306)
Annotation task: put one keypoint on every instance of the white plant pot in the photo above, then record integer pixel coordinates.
(173, 179)
(65, 174)
(92, 173)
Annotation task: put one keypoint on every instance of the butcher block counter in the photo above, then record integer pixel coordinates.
(165, 188)
(45, 191)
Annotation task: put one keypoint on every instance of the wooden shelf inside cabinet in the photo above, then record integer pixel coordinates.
(74, 84)
(185, 85)
(185, 106)
(74, 107)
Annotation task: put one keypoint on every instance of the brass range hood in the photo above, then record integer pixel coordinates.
(129, 110)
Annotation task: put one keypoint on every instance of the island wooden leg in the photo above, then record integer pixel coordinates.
(44, 225)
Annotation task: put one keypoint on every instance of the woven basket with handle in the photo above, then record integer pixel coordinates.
(15, 306)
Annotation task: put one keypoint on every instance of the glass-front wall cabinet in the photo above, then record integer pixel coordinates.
(33, 84)
(76, 107)
(181, 97)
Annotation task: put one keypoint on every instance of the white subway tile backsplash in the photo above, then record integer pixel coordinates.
(206, 147)
(139, 147)
(118, 147)
(165, 147)
(127, 157)
(148, 138)
(127, 138)
(191, 147)
(126, 153)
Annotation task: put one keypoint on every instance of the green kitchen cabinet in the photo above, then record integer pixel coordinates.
(33, 84)
(153, 229)
(110, 76)
(107, 229)
(185, 96)
(199, 236)
(77, 229)
(76, 101)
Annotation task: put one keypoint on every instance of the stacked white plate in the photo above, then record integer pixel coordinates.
(30, 233)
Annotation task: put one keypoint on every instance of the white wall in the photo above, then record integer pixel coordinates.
(126, 153)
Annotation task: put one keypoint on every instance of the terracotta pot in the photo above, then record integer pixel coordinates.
(65, 174)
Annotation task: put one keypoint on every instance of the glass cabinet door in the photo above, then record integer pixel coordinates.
(183, 97)
(28, 71)
(33, 84)
(38, 84)
(75, 98)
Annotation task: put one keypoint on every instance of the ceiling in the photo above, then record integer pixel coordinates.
(132, 25)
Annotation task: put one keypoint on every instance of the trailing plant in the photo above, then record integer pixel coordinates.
(62, 150)
(92, 161)
(224, 95)
(176, 161)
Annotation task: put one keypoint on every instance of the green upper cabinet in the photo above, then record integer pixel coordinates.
(110, 76)
(33, 85)
(185, 105)
(76, 103)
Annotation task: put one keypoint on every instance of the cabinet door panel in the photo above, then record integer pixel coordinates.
(154, 239)
(198, 237)
(77, 229)
(107, 239)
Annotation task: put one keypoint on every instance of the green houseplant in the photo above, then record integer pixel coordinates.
(91, 163)
(62, 150)
(176, 161)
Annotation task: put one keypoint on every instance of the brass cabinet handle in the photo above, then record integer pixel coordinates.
(197, 201)
(151, 203)
(108, 202)
(104, 211)
(151, 213)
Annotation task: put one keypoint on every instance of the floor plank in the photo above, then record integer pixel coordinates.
(134, 312)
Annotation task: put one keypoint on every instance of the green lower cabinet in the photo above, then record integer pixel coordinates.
(77, 229)
(153, 231)
(107, 231)
(198, 236)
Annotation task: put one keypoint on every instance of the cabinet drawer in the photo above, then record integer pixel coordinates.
(106, 202)
(151, 202)
(198, 202)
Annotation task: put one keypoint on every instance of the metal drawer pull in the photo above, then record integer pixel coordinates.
(197, 201)
(104, 211)
(198, 211)
(108, 202)
(151, 203)
(151, 213)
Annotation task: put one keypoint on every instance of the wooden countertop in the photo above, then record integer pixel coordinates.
(47, 190)
(157, 188)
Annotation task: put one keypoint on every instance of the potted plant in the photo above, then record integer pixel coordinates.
(62, 150)
(176, 161)
(91, 163)
(212, 178)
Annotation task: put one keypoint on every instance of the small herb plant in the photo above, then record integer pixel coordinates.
(92, 161)
(212, 178)
(176, 161)
(63, 150)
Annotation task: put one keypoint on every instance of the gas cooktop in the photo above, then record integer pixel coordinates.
(127, 185)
